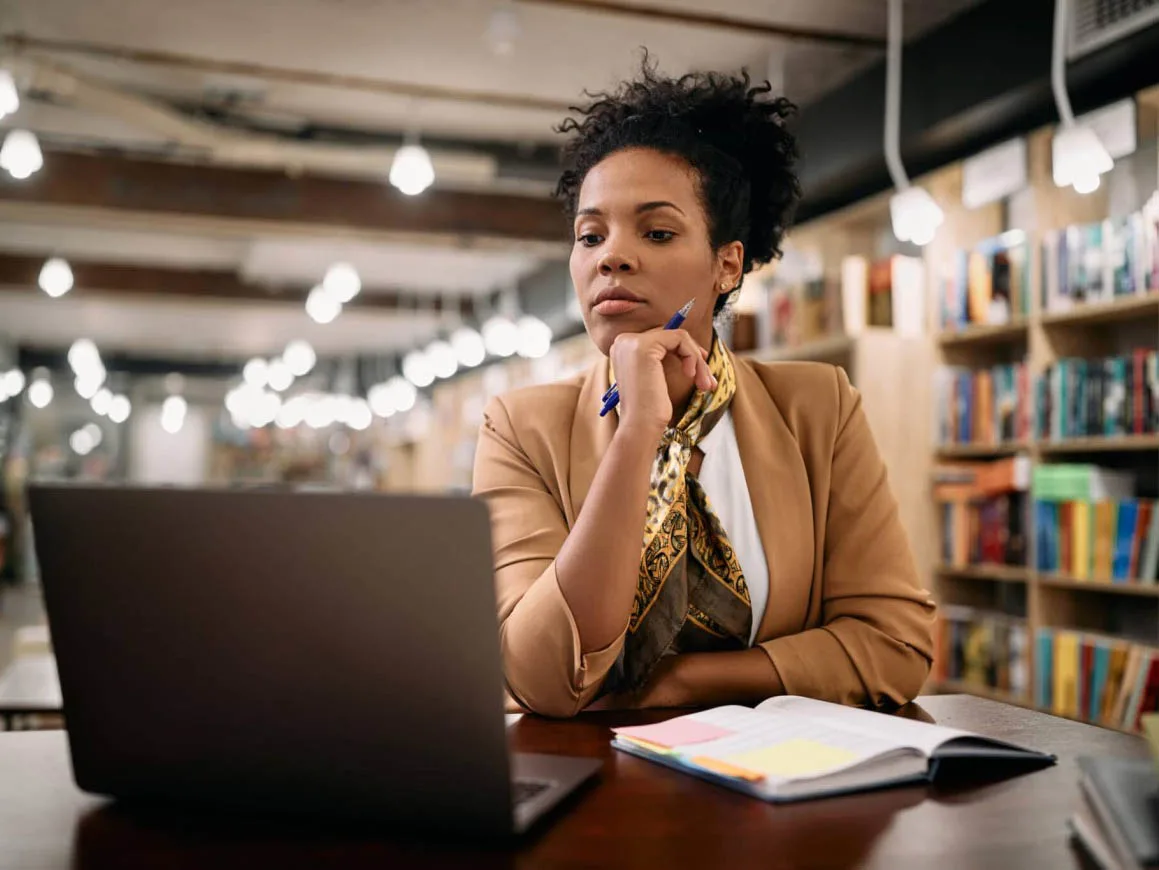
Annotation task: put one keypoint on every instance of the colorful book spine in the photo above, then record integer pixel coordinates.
(1079, 398)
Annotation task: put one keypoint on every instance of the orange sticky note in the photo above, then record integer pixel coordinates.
(726, 769)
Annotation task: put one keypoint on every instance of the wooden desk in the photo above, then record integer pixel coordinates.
(639, 815)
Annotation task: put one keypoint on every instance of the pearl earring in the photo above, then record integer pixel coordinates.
(723, 285)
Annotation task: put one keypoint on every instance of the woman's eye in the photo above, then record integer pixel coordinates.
(589, 240)
(660, 235)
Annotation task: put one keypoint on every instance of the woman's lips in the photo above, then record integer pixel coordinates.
(613, 307)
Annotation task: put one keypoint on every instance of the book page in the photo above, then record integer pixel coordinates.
(893, 730)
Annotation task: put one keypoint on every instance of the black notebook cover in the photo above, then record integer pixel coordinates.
(1126, 795)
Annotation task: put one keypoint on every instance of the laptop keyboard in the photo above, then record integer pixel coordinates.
(523, 790)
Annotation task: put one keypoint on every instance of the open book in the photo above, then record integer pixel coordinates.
(793, 748)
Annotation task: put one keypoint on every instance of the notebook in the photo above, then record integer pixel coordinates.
(1118, 821)
(792, 748)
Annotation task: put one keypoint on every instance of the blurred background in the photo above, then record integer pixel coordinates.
(303, 242)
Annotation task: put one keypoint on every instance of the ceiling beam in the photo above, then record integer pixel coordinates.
(182, 190)
(289, 75)
(19, 273)
(719, 22)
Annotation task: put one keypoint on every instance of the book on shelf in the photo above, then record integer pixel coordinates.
(990, 284)
(1104, 680)
(982, 508)
(792, 748)
(981, 648)
(1090, 526)
(1087, 398)
(887, 293)
(982, 406)
(1102, 261)
(797, 313)
(1116, 822)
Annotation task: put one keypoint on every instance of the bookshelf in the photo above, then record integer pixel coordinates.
(1098, 611)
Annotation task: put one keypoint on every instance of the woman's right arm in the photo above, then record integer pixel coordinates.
(565, 596)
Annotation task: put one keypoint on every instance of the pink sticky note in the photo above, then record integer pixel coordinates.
(681, 731)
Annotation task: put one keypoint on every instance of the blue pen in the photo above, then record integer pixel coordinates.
(612, 397)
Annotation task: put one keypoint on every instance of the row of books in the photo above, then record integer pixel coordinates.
(1118, 395)
(982, 406)
(1101, 261)
(1104, 680)
(1089, 525)
(990, 284)
(982, 508)
(980, 648)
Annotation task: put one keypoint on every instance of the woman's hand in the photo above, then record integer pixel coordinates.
(664, 688)
(638, 359)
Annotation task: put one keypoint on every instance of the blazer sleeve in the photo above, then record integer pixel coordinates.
(874, 643)
(544, 665)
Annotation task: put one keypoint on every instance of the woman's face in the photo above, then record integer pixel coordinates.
(642, 248)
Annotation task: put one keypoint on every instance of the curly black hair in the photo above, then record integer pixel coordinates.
(726, 129)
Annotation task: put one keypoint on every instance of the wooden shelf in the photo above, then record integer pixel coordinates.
(980, 451)
(1059, 581)
(1111, 444)
(1016, 330)
(1125, 309)
(822, 350)
(1007, 573)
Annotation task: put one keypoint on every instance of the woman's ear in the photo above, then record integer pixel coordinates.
(730, 266)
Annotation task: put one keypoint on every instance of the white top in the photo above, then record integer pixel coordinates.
(722, 478)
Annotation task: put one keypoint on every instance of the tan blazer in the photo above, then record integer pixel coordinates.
(847, 619)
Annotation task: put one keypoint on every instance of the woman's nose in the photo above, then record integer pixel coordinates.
(614, 261)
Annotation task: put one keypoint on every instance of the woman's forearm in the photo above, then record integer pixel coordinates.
(599, 563)
(710, 679)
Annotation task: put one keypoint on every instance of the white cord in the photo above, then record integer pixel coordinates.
(893, 97)
(1058, 65)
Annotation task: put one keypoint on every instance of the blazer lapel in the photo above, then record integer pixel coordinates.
(591, 435)
(779, 488)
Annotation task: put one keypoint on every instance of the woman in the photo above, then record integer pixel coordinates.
(773, 560)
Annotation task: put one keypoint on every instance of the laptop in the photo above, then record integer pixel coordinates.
(327, 654)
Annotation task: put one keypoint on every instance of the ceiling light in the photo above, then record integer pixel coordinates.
(300, 357)
(412, 171)
(468, 346)
(40, 393)
(402, 394)
(256, 372)
(20, 154)
(94, 432)
(320, 412)
(83, 357)
(1078, 158)
(173, 411)
(102, 401)
(55, 277)
(417, 369)
(14, 382)
(321, 306)
(500, 336)
(120, 408)
(279, 376)
(379, 397)
(89, 383)
(915, 216)
(534, 337)
(358, 416)
(264, 410)
(442, 359)
(342, 282)
(9, 96)
(81, 442)
(292, 413)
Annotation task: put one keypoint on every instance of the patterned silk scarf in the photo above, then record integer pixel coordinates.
(691, 595)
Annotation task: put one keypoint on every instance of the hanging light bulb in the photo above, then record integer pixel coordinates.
(299, 357)
(102, 401)
(358, 415)
(442, 359)
(94, 432)
(120, 409)
(40, 392)
(1078, 158)
(534, 337)
(321, 306)
(9, 96)
(417, 369)
(20, 154)
(264, 410)
(55, 277)
(500, 336)
(256, 372)
(915, 216)
(83, 356)
(402, 394)
(81, 442)
(279, 376)
(173, 411)
(292, 413)
(14, 382)
(412, 171)
(342, 282)
(468, 346)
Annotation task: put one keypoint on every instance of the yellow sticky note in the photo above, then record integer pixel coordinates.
(797, 757)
